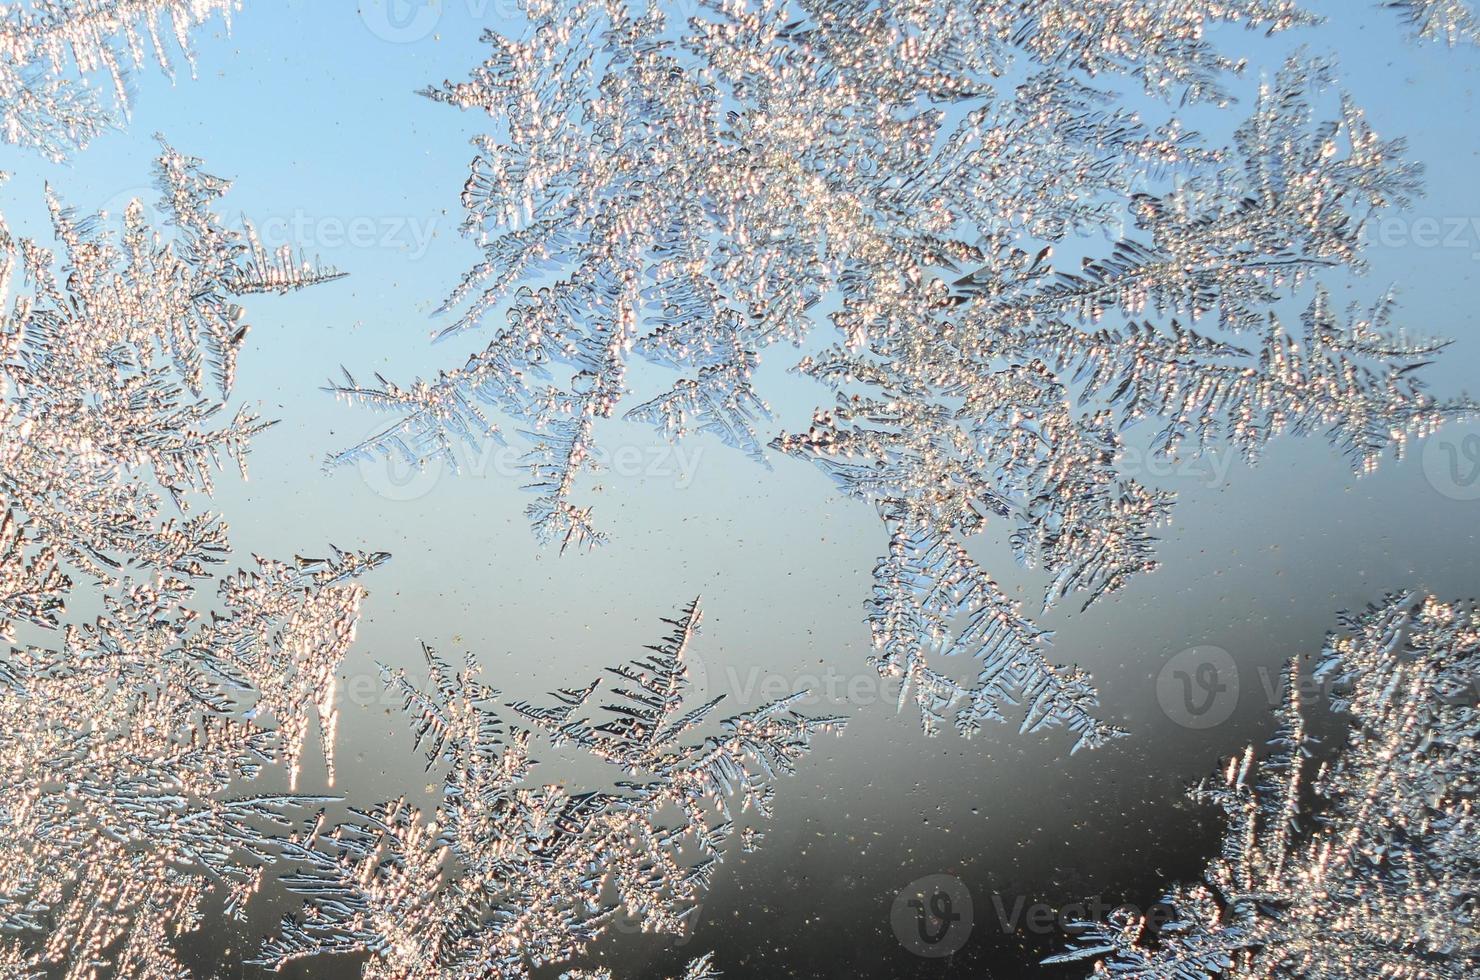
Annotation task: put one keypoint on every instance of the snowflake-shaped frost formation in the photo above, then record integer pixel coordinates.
(502, 875)
(123, 749)
(691, 194)
(1450, 21)
(49, 48)
(115, 370)
(1378, 874)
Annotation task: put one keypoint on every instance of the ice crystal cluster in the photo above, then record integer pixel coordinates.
(51, 49)
(502, 875)
(126, 736)
(1450, 21)
(687, 193)
(151, 749)
(115, 367)
(1371, 870)
(699, 969)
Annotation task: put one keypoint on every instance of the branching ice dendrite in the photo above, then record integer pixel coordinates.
(504, 875)
(1378, 875)
(1450, 21)
(123, 750)
(115, 368)
(48, 48)
(692, 192)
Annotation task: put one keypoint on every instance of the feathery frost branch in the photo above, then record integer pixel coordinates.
(690, 191)
(51, 49)
(1371, 870)
(502, 875)
(125, 745)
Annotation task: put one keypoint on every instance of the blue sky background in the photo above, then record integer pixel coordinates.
(311, 108)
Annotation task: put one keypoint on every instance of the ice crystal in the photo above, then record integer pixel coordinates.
(114, 370)
(128, 750)
(1375, 874)
(502, 875)
(123, 747)
(699, 969)
(1450, 21)
(49, 48)
(689, 195)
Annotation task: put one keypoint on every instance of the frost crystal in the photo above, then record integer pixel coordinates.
(1378, 874)
(48, 48)
(1451, 21)
(122, 747)
(690, 194)
(500, 875)
(126, 748)
(114, 380)
(699, 969)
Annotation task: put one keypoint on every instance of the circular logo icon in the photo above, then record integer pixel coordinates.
(1451, 463)
(1198, 688)
(399, 479)
(931, 916)
(401, 21)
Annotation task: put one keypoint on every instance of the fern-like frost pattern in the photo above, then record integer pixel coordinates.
(502, 875)
(129, 742)
(690, 191)
(1368, 866)
(51, 49)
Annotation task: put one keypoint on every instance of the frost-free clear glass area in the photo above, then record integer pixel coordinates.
(833, 488)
